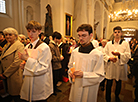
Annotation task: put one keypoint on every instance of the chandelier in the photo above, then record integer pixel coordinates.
(124, 15)
(127, 13)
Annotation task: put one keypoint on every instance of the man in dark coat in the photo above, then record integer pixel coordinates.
(45, 38)
(135, 73)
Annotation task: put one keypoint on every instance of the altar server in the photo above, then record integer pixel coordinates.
(88, 66)
(117, 54)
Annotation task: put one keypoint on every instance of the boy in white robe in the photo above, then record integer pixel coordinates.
(89, 68)
(117, 54)
(38, 81)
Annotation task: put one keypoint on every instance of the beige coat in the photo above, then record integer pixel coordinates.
(10, 67)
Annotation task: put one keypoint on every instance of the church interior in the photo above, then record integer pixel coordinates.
(103, 15)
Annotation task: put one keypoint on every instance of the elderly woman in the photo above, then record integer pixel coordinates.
(10, 62)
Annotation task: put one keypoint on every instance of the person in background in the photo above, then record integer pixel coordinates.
(86, 68)
(23, 39)
(117, 54)
(101, 48)
(38, 84)
(27, 41)
(56, 59)
(63, 48)
(45, 39)
(9, 65)
(135, 72)
(3, 42)
(50, 38)
(94, 42)
(73, 46)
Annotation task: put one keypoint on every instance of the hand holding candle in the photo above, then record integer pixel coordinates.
(115, 53)
(72, 70)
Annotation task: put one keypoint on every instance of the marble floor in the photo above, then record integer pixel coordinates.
(126, 95)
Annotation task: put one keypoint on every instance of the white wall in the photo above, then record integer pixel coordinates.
(99, 16)
(17, 13)
(35, 4)
(16, 16)
(11, 19)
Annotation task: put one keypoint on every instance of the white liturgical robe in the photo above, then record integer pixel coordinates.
(38, 81)
(95, 43)
(117, 70)
(85, 89)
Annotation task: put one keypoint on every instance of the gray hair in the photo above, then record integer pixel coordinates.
(104, 40)
(10, 30)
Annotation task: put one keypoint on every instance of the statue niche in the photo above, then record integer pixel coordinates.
(95, 26)
(48, 22)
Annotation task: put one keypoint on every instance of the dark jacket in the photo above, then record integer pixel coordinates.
(46, 40)
(56, 61)
(65, 54)
(135, 63)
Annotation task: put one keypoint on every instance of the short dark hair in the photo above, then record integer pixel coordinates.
(86, 27)
(56, 35)
(34, 25)
(1, 32)
(117, 28)
(72, 38)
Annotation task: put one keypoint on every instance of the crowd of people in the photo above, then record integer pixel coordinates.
(32, 67)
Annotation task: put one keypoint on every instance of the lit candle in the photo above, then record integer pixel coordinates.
(115, 52)
(73, 64)
(72, 70)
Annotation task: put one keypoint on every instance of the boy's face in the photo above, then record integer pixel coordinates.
(33, 34)
(117, 33)
(84, 37)
(57, 40)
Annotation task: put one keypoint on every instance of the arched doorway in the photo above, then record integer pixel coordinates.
(97, 20)
(105, 25)
(29, 14)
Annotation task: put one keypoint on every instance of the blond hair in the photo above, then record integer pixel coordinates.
(10, 30)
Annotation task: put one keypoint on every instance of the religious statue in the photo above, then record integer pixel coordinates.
(48, 23)
(95, 26)
(104, 32)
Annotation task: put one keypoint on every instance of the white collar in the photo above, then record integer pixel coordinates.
(34, 43)
(117, 42)
(60, 44)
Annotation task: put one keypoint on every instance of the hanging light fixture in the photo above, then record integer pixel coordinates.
(126, 13)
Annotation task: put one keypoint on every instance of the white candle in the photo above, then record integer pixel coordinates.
(115, 52)
(73, 64)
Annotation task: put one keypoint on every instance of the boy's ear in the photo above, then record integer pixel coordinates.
(91, 35)
(39, 31)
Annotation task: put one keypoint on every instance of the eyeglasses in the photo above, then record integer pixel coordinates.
(83, 36)
(8, 34)
(117, 32)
